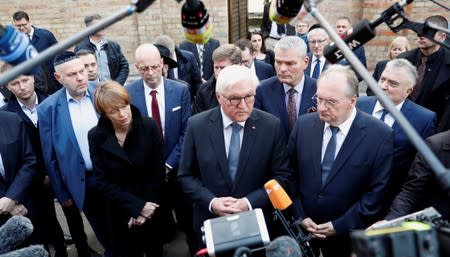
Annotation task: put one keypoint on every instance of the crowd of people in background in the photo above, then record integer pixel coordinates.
(204, 126)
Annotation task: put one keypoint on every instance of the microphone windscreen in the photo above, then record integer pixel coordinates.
(196, 22)
(278, 197)
(15, 230)
(30, 251)
(283, 11)
(15, 47)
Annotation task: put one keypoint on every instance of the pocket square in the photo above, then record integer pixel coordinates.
(174, 109)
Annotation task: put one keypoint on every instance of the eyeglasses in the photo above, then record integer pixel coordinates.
(147, 68)
(329, 103)
(248, 99)
(21, 25)
(319, 42)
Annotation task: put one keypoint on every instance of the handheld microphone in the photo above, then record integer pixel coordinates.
(283, 11)
(195, 21)
(15, 230)
(364, 31)
(281, 201)
(278, 197)
(15, 46)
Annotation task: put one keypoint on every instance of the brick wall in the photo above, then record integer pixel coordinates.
(65, 18)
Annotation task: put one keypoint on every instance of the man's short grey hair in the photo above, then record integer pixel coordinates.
(352, 80)
(227, 52)
(233, 74)
(408, 69)
(291, 43)
(318, 31)
(166, 41)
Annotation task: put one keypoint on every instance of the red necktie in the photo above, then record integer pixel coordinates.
(155, 111)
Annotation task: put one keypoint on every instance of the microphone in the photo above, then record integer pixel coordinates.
(141, 5)
(195, 21)
(364, 31)
(30, 251)
(15, 46)
(283, 11)
(15, 230)
(281, 201)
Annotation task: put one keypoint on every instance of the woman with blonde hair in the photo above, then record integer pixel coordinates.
(127, 156)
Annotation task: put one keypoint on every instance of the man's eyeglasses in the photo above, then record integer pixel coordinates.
(147, 68)
(248, 99)
(319, 42)
(329, 103)
(20, 25)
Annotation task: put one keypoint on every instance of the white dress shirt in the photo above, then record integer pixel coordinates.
(298, 96)
(31, 113)
(161, 103)
(388, 119)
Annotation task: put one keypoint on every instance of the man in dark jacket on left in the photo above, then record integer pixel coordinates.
(112, 64)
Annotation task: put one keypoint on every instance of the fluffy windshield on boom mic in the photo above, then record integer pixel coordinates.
(195, 21)
(15, 47)
(13, 232)
(283, 11)
(278, 197)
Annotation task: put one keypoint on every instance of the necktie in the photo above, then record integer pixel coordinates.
(420, 74)
(292, 108)
(316, 71)
(383, 115)
(155, 111)
(233, 150)
(330, 151)
(201, 49)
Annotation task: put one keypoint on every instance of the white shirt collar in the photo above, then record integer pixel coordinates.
(31, 32)
(159, 89)
(344, 127)
(298, 87)
(70, 97)
(24, 106)
(378, 107)
(227, 121)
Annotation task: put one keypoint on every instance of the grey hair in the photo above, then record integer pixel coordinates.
(318, 31)
(352, 80)
(233, 74)
(292, 42)
(166, 41)
(409, 69)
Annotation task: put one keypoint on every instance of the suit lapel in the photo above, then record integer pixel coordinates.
(316, 151)
(351, 142)
(279, 102)
(168, 96)
(110, 145)
(409, 115)
(248, 142)
(139, 96)
(14, 106)
(64, 120)
(216, 137)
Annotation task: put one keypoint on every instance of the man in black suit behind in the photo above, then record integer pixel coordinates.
(250, 139)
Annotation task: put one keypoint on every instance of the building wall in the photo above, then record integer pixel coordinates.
(65, 18)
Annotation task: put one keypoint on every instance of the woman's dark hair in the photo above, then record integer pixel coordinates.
(257, 32)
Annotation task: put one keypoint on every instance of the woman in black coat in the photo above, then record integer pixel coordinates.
(127, 156)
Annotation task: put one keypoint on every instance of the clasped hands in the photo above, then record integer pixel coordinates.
(147, 213)
(223, 206)
(319, 231)
(9, 206)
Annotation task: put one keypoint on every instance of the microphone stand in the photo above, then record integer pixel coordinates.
(442, 174)
(136, 6)
(300, 237)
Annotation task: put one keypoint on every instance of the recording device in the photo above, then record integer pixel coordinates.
(364, 31)
(141, 5)
(195, 21)
(412, 239)
(283, 11)
(281, 201)
(15, 47)
(426, 215)
(223, 235)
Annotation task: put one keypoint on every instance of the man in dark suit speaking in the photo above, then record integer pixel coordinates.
(343, 160)
(230, 151)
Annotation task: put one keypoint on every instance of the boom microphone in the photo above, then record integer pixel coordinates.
(195, 21)
(283, 11)
(15, 46)
(15, 230)
(364, 31)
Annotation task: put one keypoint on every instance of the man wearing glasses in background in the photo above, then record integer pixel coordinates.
(230, 152)
(318, 39)
(168, 103)
(342, 158)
